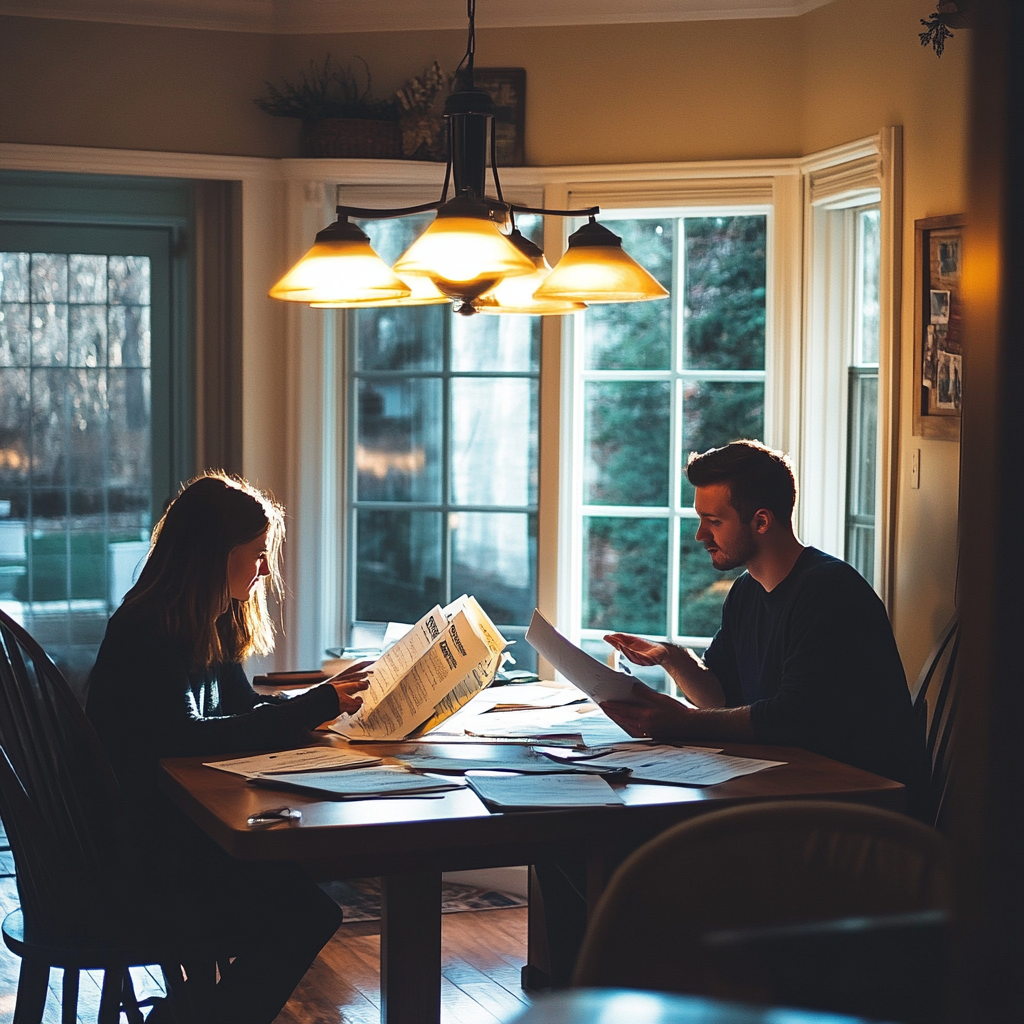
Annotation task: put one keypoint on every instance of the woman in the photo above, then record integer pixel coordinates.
(168, 682)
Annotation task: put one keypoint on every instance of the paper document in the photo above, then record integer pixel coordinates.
(682, 766)
(593, 726)
(389, 668)
(302, 760)
(528, 792)
(504, 758)
(596, 680)
(441, 663)
(363, 784)
(553, 700)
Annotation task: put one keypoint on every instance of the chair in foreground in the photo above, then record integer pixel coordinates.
(934, 696)
(59, 804)
(787, 903)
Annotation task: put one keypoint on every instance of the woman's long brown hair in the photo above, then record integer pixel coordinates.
(184, 583)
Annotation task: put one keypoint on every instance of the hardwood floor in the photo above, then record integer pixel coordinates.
(482, 952)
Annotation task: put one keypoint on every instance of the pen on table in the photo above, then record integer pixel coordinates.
(273, 816)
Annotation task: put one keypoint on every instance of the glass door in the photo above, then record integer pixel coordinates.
(84, 424)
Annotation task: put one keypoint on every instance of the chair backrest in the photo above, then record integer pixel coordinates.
(756, 865)
(935, 698)
(58, 796)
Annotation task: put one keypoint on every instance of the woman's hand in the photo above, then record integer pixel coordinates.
(353, 673)
(347, 704)
(350, 682)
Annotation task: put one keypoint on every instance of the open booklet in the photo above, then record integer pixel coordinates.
(447, 657)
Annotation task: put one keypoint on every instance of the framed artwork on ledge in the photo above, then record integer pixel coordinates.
(938, 326)
(507, 87)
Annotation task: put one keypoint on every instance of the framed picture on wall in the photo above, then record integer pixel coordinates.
(507, 87)
(938, 326)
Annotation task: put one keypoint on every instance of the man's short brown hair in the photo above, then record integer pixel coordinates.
(758, 477)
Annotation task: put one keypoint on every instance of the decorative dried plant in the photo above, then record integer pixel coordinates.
(420, 94)
(948, 15)
(327, 91)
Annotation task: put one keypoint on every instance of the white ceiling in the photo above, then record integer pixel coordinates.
(313, 16)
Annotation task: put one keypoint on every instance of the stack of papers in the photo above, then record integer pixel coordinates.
(500, 758)
(589, 723)
(681, 766)
(304, 759)
(364, 784)
(530, 792)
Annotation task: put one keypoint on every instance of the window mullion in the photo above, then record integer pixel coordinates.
(446, 463)
(578, 412)
(675, 426)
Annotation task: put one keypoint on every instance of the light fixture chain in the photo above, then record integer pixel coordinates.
(467, 59)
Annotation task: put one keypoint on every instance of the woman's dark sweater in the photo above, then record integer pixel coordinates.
(146, 703)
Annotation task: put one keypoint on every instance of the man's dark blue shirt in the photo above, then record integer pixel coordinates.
(816, 660)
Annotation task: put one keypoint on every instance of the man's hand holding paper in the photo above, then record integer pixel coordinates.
(599, 682)
(648, 713)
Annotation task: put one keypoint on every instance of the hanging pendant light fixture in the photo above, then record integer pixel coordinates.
(463, 252)
(423, 293)
(519, 294)
(594, 267)
(467, 254)
(340, 266)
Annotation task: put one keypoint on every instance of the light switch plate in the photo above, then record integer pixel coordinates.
(915, 469)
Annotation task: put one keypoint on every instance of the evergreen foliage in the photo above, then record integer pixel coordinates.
(628, 423)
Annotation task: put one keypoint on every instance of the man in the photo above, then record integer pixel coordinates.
(805, 655)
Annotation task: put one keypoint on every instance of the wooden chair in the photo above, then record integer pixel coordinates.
(694, 910)
(59, 803)
(935, 698)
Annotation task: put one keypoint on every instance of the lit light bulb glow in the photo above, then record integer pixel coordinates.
(516, 295)
(424, 293)
(599, 273)
(340, 272)
(463, 250)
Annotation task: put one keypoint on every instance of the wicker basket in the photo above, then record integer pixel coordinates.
(352, 137)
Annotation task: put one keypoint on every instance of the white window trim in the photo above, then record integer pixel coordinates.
(293, 426)
(849, 176)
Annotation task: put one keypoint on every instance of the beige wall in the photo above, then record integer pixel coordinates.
(688, 91)
(863, 67)
(601, 94)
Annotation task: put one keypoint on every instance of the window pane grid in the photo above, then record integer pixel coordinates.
(75, 477)
(475, 529)
(713, 398)
(866, 292)
(680, 373)
(862, 427)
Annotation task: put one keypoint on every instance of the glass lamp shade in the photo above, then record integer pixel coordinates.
(340, 268)
(463, 252)
(516, 294)
(595, 269)
(424, 293)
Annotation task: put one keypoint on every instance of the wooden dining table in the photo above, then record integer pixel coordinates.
(408, 843)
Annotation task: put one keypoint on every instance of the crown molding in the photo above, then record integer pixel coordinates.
(299, 17)
(17, 156)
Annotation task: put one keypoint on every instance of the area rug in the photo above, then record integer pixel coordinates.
(359, 898)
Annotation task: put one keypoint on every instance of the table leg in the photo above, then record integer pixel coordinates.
(410, 948)
(536, 973)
